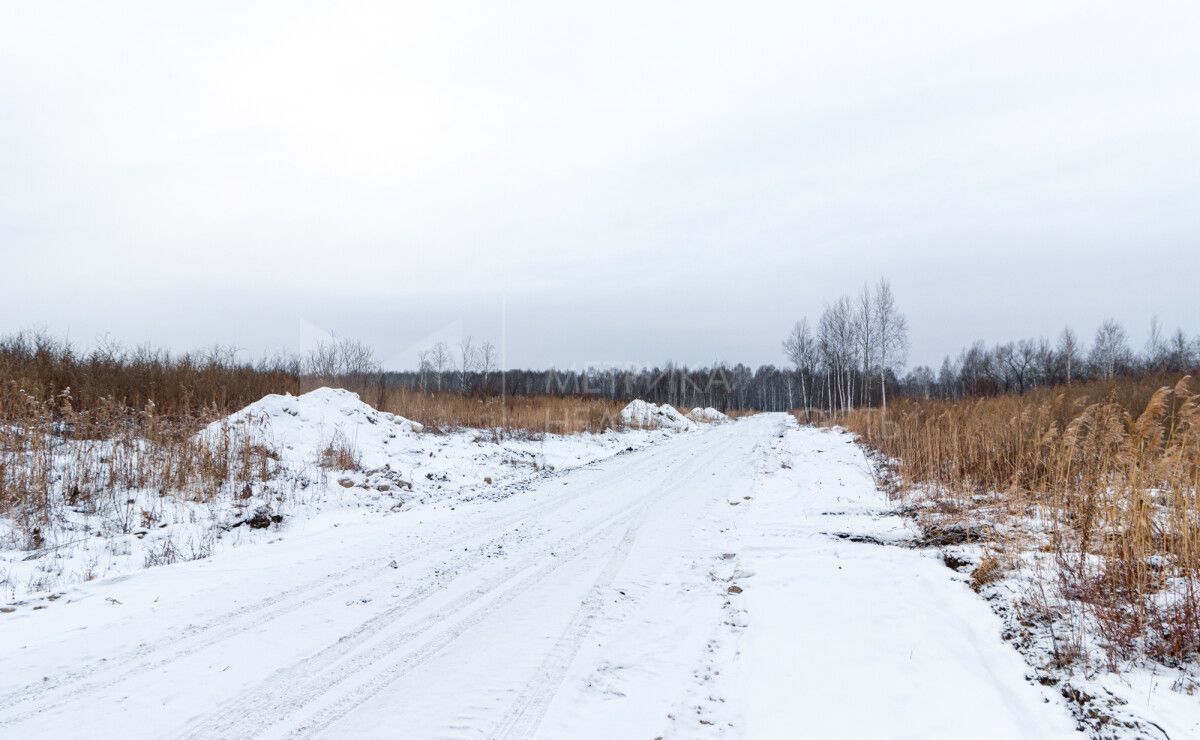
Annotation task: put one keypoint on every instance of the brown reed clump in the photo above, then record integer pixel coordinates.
(1110, 470)
(340, 454)
(53, 456)
(43, 367)
(522, 415)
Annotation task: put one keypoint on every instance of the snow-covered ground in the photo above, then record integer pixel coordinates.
(399, 467)
(723, 582)
(642, 415)
(708, 415)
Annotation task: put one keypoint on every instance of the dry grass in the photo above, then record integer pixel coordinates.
(86, 433)
(190, 384)
(340, 454)
(53, 457)
(534, 414)
(1110, 474)
(209, 385)
(86, 430)
(988, 571)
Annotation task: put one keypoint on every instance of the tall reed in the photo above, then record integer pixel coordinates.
(1111, 474)
(54, 457)
(526, 414)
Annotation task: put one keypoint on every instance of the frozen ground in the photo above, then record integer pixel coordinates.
(398, 469)
(709, 585)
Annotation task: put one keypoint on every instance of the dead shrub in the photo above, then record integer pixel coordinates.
(988, 571)
(340, 454)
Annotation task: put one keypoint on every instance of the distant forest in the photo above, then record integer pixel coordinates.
(852, 356)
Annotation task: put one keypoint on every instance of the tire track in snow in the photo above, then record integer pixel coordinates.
(291, 689)
(329, 716)
(531, 705)
(536, 697)
(145, 657)
(287, 692)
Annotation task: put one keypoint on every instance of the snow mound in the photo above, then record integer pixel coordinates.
(707, 415)
(324, 407)
(642, 415)
(309, 422)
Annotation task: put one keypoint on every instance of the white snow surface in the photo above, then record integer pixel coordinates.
(639, 414)
(402, 469)
(708, 415)
(594, 603)
(293, 418)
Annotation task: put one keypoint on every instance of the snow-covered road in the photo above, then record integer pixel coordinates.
(599, 603)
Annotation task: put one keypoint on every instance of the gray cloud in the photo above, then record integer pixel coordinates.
(634, 182)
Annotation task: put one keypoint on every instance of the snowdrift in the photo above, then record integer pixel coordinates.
(707, 415)
(324, 406)
(391, 454)
(642, 415)
(306, 425)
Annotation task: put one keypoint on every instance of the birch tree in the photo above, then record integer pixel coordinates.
(440, 357)
(866, 337)
(424, 366)
(466, 350)
(1157, 351)
(801, 349)
(891, 330)
(487, 363)
(1068, 350)
(1110, 352)
(838, 340)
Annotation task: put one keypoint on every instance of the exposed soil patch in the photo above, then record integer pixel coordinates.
(955, 562)
(947, 535)
(861, 538)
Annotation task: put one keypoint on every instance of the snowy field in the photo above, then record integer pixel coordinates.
(721, 580)
(398, 467)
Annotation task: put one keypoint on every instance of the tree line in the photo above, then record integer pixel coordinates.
(852, 356)
(1020, 366)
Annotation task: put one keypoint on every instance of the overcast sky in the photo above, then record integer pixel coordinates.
(600, 182)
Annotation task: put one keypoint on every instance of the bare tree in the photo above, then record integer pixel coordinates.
(1068, 351)
(424, 366)
(949, 376)
(866, 334)
(976, 369)
(1018, 362)
(466, 349)
(1110, 353)
(322, 360)
(487, 363)
(919, 382)
(440, 357)
(838, 340)
(355, 359)
(340, 358)
(801, 349)
(891, 329)
(1157, 351)
(828, 354)
(1182, 357)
